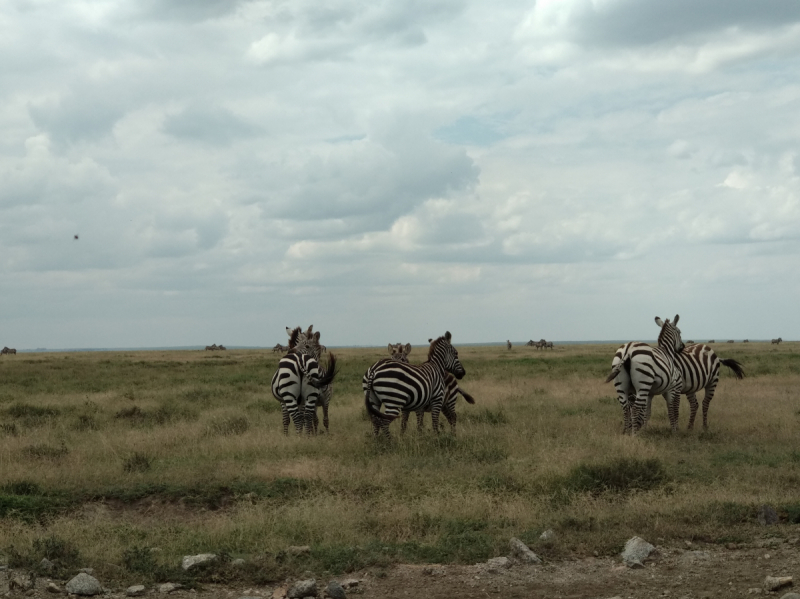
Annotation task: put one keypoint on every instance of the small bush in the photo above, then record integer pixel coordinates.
(58, 551)
(621, 475)
(138, 462)
(45, 452)
(140, 560)
(22, 487)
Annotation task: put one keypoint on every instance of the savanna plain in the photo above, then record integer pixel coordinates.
(127, 461)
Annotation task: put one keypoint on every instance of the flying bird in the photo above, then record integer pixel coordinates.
(76, 237)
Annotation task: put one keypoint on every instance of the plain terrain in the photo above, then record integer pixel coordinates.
(128, 461)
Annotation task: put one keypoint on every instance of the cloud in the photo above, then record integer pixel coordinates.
(213, 125)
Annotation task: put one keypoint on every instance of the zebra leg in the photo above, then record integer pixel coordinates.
(673, 397)
(285, 414)
(325, 405)
(709, 395)
(692, 397)
(640, 409)
(420, 419)
(403, 422)
(436, 408)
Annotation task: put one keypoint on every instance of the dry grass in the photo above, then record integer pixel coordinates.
(183, 451)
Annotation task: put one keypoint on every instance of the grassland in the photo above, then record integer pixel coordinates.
(127, 461)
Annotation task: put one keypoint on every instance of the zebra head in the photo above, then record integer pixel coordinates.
(670, 336)
(399, 352)
(445, 355)
(304, 342)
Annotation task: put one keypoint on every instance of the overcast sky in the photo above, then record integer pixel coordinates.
(387, 170)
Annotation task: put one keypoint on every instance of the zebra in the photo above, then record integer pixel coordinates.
(8, 350)
(712, 341)
(279, 349)
(530, 343)
(451, 392)
(745, 341)
(212, 347)
(731, 341)
(643, 371)
(297, 381)
(700, 366)
(777, 341)
(548, 345)
(508, 344)
(401, 386)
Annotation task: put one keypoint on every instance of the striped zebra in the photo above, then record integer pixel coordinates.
(508, 344)
(640, 371)
(530, 343)
(279, 349)
(451, 393)
(700, 367)
(408, 387)
(297, 382)
(712, 340)
(777, 341)
(8, 350)
(548, 345)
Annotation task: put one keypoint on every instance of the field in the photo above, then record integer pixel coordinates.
(128, 461)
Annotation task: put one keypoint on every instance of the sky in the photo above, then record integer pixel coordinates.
(387, 170)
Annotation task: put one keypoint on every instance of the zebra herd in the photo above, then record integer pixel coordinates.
(301, 383)
(8, 350)
(640, 372)
(541, 344)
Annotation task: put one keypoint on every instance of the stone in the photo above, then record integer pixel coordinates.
(280, 592)
(192, 561)
(53, 588)
(636, 551)
(84, 584)
(20, 582)
(351, 583)
(523, 553)
(335, 590)
(89, 571)
(238, 562)
(547, 535)
(767, 516)
(136, 590)
(303, 588)
(496, 564)
(791, 596)
(298, 550)
(168, 587)
(773, 583)
(46, 565)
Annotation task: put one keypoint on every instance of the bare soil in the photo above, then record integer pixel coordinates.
(689, 572)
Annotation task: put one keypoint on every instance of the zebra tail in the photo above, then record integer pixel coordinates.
(371, 409)
(737, 368)
(626, 364)
(466, 395)
(330, 373)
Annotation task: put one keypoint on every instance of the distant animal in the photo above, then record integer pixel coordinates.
(777, 341)
(700, 366)
(212, 347)
(745, 341)
(640, 371)
(297, 382)
(8, 350)
(530, 343)
(280, 348)
(711, 341)
(690, 342)
(541, 344)
(548, 345)
(731, 341)
(508, 344)
(409, 387)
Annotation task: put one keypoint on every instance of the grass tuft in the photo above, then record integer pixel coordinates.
(619, 476)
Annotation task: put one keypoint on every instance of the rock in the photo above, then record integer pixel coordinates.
(280, 592)
(335, 590)
(168, 587)
(767, 515)
(773, 583)
(20, 582)
(547, 535)
(136, 590)
(496, 564)
(192, 561)
(791, 596)
(636, 551)
(89, 571)
(351, 583)
(53, 588)
(523, 553)
(298, 550)
(84, 584)
(238, 562)
(46, 565)
(303, 588)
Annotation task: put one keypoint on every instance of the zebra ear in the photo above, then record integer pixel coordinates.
(408, 348)
(309, 332)
(430, 340)
(675, 322)
(289, 331)
(659, 322)
(316, 337)
(448, 336)
(391, 348)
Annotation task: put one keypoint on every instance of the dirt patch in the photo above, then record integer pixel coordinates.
(694, 572)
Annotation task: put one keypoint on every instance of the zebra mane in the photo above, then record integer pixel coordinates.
(293, 338)
(435, 343)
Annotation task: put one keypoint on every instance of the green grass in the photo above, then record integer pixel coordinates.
(108, 456)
